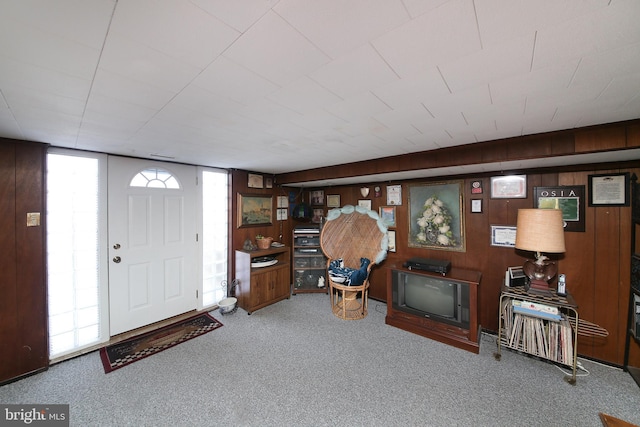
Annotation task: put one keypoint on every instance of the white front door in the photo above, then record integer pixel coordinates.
(153, 252)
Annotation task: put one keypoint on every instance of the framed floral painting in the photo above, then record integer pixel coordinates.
(436, 219)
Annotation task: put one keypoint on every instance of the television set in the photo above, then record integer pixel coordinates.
(437, 298)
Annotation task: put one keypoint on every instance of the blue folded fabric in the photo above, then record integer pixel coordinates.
(348, 276)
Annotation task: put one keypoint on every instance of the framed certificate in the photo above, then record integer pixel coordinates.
(509, 187)
(394, 195)
(609, 189)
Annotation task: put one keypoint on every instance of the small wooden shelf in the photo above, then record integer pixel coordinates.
(258, 287)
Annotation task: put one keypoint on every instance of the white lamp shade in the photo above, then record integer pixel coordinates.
(540, 230)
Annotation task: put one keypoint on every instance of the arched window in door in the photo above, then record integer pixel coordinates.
(155, 178)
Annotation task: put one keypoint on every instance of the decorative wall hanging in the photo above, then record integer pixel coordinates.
(254, 209)
(436, 218)
(394, 194)
(569, 199)
(317, 198)
(333, 200)
(509, 187)
(388, 215)
(610, 189)
(255, 181)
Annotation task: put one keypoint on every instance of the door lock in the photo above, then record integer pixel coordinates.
(116, 246)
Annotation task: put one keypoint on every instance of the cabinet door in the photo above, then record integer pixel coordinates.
(261, 288)
(268, 286)
(281, 285)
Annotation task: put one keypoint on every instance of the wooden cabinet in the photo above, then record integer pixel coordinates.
(23, 294)
(259, 286)
(309, 271)
(549, 330)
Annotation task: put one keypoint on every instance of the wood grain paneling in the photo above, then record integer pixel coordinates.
(23, 330)
(599, 139)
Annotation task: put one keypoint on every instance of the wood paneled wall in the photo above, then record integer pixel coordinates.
(596, 262)
(23, 303)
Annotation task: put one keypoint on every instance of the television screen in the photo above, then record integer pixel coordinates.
(431, 296)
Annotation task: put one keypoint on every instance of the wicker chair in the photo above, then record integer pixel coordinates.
(352, 233)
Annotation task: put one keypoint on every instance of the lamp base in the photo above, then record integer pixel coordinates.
(539, 287)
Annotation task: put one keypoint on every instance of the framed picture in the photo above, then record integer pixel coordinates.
(333, 200)
(394, 194)
(254, 209)
(391, 234)
(476, 206)
(436, 220)
(364, 203)
(317, 197)
(569, 199)
(388, 215)
(317, 216)
(255, 181)
(281, 214)
(610, 189)
(509, 187)
(282, 202)
(502, 235)
(268, 182)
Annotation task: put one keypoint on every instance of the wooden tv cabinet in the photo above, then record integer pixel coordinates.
(466, 339)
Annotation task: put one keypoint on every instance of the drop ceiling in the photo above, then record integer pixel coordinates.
(282, 86)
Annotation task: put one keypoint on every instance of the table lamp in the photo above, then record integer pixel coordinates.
(540, 230)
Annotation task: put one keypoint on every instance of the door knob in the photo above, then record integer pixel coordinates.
(117, 259)
(116, 246)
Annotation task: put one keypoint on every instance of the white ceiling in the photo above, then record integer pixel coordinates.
(280, 86)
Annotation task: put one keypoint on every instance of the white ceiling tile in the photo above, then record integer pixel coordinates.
(418, 7)
(178, 28)
(309, 83)
(197, 99)
(317, 120)
(358, 107)
(608, 64)
(79, 21)
(413, 90)
(228, 80)
(440, 35)
(606, 28)
(516, 88)
(22, 97)
(304, 95)
(52, 52)
(490, 64)
(500, 21)
(130, 91)
(359, 71)
(237, 14)
(15, 73)
(275, 50)
(136, 61)
(117, 108)
(457, 102)
(338, 26)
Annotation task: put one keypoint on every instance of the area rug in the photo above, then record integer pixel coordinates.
(126, 352)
